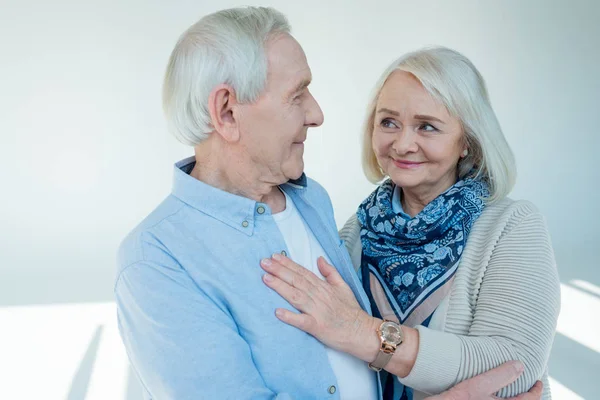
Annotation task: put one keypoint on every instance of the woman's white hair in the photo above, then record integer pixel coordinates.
(226, 47)
(454, 81)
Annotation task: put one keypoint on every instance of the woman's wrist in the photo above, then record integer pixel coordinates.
(406, 353)
(365, 344)
(368, 344)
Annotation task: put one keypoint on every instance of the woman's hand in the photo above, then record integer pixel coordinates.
(329, 310)
(485, 385)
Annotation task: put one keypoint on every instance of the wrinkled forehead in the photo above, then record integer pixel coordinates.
(287, 64)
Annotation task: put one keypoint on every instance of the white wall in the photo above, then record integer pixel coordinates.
(85, 155)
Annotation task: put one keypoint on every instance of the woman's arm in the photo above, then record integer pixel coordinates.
(515, 316)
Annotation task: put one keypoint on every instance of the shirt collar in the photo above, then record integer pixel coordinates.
(236, 211)
(397, 203)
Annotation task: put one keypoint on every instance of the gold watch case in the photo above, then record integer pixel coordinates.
(391, 336)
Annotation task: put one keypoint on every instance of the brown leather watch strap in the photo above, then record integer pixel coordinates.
(380, 361)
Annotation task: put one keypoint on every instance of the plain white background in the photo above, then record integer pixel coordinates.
(85, 154)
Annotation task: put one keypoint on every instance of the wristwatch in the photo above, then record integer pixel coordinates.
(391, 336)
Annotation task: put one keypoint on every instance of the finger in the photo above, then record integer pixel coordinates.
(493, 380)
(490, 382)
(295, 297)
(503, 375)
(296, 268)
(293, 266)
(534, 393)
(292, 278)
(329, 272)
(301, 321)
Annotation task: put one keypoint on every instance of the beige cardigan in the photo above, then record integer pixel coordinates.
(503, 305)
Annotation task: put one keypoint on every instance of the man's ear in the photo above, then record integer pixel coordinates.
(221, 105)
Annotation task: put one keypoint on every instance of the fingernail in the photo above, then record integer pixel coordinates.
(279, 312)
(266, 262)
(277, 257)
(268, 278)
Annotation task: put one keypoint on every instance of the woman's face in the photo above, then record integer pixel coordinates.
(416, 141)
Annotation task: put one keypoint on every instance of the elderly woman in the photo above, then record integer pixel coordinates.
(460, 277)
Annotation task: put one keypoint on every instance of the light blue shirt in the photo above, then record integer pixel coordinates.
(195, 317)
(397, 203)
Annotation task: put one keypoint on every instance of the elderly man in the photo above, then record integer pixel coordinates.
(194, 314)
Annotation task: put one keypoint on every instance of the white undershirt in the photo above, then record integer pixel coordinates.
(355, 380)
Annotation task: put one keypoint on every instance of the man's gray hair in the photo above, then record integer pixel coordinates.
(226, 47)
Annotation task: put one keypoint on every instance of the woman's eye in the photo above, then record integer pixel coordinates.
(428, 127)
(388, 123)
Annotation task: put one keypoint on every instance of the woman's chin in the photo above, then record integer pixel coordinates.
(405, 180)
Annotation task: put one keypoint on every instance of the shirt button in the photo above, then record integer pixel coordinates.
(260, 210)
(284, 253)
(245, 224)
(331, 389)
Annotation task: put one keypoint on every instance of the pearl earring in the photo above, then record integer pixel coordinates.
(465, 153)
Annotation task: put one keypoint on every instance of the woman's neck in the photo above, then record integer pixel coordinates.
(414, 200)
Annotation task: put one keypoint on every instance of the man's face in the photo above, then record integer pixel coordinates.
(273, 129)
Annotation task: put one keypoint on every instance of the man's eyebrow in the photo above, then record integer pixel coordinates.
(301, 86)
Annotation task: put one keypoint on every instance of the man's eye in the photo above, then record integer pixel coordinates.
(299, 95)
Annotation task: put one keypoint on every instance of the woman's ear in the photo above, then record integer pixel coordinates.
(465, 146)
(221, 105)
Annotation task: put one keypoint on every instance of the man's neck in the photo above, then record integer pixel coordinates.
(235, 176)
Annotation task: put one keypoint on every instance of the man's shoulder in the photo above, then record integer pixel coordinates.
(316, 191)
(317, 196)
(147, 234)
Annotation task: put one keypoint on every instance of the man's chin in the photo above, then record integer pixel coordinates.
(296, 172)
(294, 177)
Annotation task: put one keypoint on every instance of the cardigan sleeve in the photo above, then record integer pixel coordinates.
(514, 318)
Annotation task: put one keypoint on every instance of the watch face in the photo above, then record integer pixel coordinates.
(391, 332)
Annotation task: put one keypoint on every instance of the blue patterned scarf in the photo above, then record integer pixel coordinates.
(413, 257)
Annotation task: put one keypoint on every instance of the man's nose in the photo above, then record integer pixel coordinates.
(314, 114)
